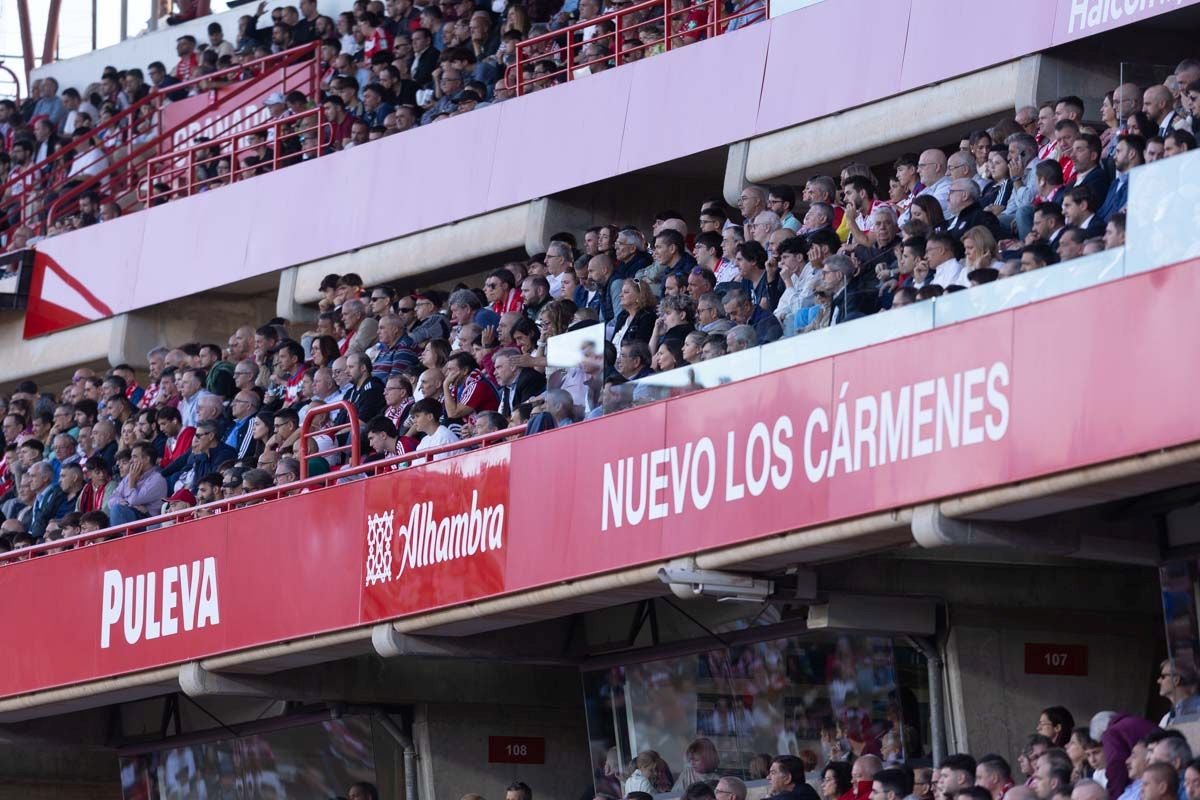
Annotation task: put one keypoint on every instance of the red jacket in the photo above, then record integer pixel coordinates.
(183, 446)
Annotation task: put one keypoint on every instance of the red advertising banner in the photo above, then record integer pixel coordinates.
(1040, 389)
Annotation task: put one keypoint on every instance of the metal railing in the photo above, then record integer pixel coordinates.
(307, 434)
(47, 190)
(564, 47)
(289, 140)
(232, 504)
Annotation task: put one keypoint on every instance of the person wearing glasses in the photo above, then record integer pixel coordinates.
(208, 453)
(1178, 684)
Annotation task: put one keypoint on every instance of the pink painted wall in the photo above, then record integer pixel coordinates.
(749, 82)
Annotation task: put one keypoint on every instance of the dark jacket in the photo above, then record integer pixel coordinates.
(529, 383)
(858, 298)
(627, 269)
(51, 503)
(801, 792)
(971, 216)
(765, 325)
(422, 75)
(367, 399)
(1097, 182)
(201, 464)
(678, 333)
(640, 330)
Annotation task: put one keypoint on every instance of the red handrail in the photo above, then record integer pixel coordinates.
(140, 117)
(563, 41)
(16, 83)
(169, 167)
(351, 424)
(232, 504)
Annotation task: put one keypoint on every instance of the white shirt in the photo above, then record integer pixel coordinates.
(799, 292)
(188, 408)
(442, 436)
(555, 282)
(949, 273)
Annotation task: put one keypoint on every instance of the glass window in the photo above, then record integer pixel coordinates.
(669, 723)
(317, 760)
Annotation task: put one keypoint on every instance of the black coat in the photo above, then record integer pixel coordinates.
(529, 383)
(971, 216)
(641, 329)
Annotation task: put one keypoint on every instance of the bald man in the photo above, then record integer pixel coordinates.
(243, 407)
(931, 167)
(865, 769)
(1127, 99)
(604, 290)
(1159, 105)
(751, 202)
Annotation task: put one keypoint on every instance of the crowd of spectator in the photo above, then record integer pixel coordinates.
(426, 369)
(384, 68)
(1117, 756)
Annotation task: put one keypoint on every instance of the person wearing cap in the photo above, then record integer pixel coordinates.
(277, 108)
(465, 101)
(181, 500)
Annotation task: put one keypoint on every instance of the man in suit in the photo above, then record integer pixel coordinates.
(1077, 208)
(1085, 153)
(515, 384)
(964, 205)
(1130, 153)
(425, 57)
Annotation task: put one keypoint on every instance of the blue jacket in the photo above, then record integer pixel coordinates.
(1118, 196)
(51, 503)
(202, 464)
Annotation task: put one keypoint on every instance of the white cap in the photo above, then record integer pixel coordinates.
(275, 98)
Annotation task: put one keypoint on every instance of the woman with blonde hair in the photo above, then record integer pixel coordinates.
(637, 317)
(642, 777)
(980, 249)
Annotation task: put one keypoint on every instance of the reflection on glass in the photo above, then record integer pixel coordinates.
(318, 760)
(1178, 678)
(667, 724)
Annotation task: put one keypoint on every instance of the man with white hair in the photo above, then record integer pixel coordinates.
(967, 211)
(560, 405)
(189, 382)
(361, 330)
(751, 202)
(762, 226)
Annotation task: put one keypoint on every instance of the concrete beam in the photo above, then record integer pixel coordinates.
(1053, 537)
(418, 256)
(885, 123)
(735, 172)
(196, 681)
(501, 645)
